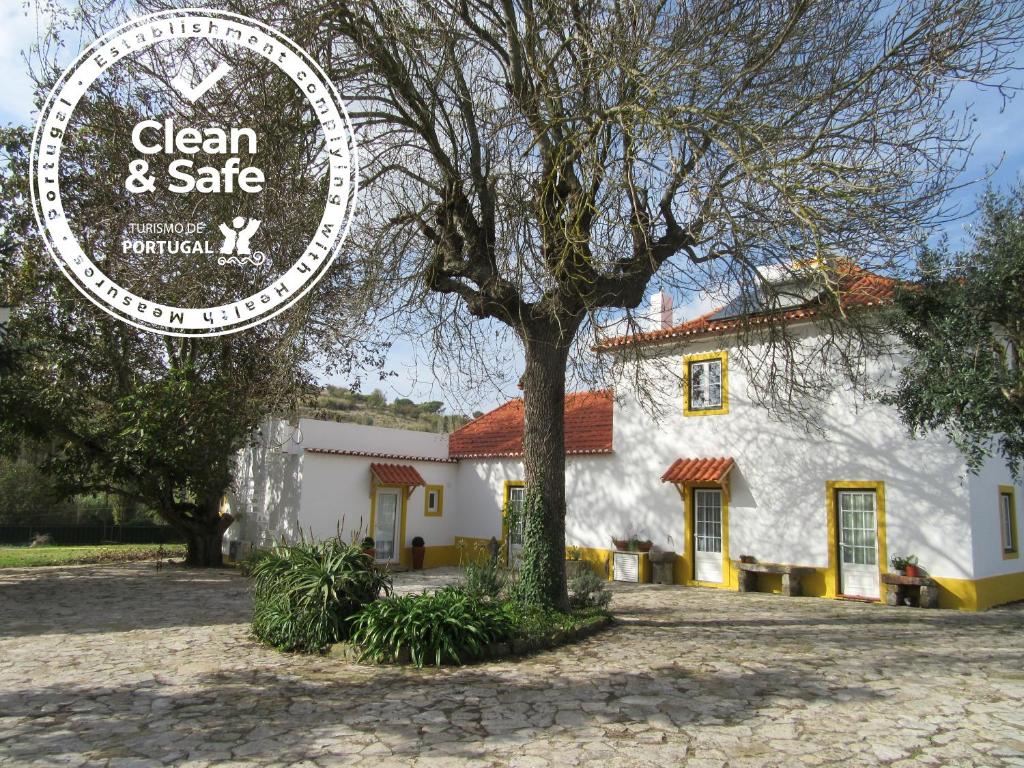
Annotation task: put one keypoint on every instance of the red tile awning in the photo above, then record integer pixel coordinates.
(397, 474)
(698, 471)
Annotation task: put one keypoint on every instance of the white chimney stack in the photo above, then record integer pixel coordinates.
(661, 311)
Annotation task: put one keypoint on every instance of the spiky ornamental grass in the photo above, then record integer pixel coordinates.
(304, 594)
(448, 626)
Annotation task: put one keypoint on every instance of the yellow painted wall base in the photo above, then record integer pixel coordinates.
(980, 594)
(599, 560)
(438, 557)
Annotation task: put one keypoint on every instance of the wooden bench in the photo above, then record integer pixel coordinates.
(918, 591)
(791, 576)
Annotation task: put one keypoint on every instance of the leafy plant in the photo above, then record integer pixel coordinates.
(303, 594)
(588, 590)
(540, 623)
(573, 553)
(899, 562)
(482, 575)
(449, 625)
(961, 323)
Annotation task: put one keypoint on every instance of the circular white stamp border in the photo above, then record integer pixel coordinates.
(284, 291)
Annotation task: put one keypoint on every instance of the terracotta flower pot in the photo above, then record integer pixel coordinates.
(620, 544)
(911, 570)
(644, 546)
(417, 558)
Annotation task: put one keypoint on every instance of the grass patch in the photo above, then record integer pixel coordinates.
(25, 557)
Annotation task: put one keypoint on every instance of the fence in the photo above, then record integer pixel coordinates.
(90, 534)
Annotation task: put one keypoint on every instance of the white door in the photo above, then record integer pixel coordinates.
(707, 535)
(385, 527)
(515, 533)
(858, 544)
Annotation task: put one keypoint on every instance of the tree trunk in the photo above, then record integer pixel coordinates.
(203, 531)
(542, 566)
(203, 549)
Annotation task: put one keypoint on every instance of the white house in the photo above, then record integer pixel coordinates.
(713, 480)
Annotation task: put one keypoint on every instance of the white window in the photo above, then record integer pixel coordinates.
(705, 385)
(433, 502)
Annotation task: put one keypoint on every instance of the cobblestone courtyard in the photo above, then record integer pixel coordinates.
(130, 665)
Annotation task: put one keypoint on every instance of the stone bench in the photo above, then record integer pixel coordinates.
(791, 576)
(917, 590)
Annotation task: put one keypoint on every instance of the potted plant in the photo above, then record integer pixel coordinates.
(644, 546)
(748, 559)
(621, 544)
(369, 546)
(910, 566)
(898, 563)
(418, 551)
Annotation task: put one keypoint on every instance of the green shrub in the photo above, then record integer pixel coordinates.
(588, 590)
(447, 626)
(534, 622)
(482, 576)
(303, 594)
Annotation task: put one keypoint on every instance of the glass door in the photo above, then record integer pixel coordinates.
(707, 535)
(858, 544)
(385, 529)
(514, 541)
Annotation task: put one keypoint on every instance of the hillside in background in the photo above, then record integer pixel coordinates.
(340, 404)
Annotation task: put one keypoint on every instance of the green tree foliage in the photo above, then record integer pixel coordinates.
(964, 326)
(341, 404)
(25, 492)
(152, 419)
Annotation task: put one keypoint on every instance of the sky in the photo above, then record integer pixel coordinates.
(998, 158)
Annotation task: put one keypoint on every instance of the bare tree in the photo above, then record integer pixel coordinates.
(534, 164)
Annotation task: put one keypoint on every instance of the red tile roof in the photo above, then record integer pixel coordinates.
(856, 288)
(397, 474)
(588, 428)
(698, 470)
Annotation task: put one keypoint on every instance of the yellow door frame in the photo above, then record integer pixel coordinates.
(832, 488)
(687, 492)
(404, 491)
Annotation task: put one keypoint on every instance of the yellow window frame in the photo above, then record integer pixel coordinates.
(1013, 552)
(723, 356)
(439, 490)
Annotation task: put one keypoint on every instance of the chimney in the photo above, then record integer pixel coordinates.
(661, 311)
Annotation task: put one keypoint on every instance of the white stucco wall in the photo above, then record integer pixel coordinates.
(481, 490)
(987, 541)
(358, 437)
(336, 492)
(778, 505)
(777, 509)
(266, 494)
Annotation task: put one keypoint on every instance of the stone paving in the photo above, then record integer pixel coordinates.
(132, 666)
